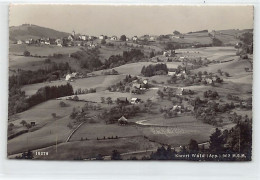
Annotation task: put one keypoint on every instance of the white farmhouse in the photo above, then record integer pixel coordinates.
(113, 38)
(171, 73)
(135, 38)
(71, 38)
(69, 77)
(58, 42)
(19, 42)
(83, 37)
(101, 37)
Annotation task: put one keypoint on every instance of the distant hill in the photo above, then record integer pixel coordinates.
(27, 31)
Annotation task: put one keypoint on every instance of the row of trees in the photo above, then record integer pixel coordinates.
(152, 70)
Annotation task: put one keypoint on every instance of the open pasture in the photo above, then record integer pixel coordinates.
(101, 130)
(98, 82)
(91, 148)
(235, 67)
(107, 51)
(96, 97)
(43, 50)
(211, 53)
(50, 134)
(26, 63)
(42, 113)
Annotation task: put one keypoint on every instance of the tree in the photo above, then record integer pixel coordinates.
(220, 72)
(99, 157)
(116, 155)
(23, 122)
(63, 104)
(26, 53)
(227, 74)
(216, 142)
(216, 42)
(103, 41)
(176, 32)
(70, 125)
(123, 38)
(27, 155)
(102, 99)
(54, 115)
(28, 126)
(10, 127)
(109, 100)
(152, 54)
(193, 146)
(76, 98)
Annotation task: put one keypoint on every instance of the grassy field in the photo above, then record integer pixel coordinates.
(211, 53)
(41, 50)
(47, 127)
(26, 63)
(235, 67)
(175, 131)
(41, 113)
(98, 82)
(96, 97)
(52, 132)
(133, 68)
(91, 148)
(107, 51)
(94, 131)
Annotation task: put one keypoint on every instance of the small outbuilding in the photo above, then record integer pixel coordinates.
(135, 101)
(179, 91)
(122, 121)
(122, 100)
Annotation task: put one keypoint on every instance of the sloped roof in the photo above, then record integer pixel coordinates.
(122, 119)
(122, 98)
(179, 91)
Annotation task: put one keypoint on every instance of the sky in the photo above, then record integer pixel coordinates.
(132, 20)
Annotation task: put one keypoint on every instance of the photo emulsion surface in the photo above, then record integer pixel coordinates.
(106, 82)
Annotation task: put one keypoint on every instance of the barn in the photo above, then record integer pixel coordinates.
(122, 121)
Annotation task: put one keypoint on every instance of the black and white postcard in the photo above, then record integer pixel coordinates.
(122, 82)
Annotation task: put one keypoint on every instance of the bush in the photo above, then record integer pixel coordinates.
(76, 98)
(47, 61)
(103, 41)
(63, 104)
(244, 56)
(26, 53)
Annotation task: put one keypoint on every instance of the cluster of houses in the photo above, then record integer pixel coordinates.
(78, 40)
(205, 78)
(124, 100)
(139, 86)
(169, 53)
(172, 72)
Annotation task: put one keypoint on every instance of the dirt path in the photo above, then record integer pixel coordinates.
(67, 140)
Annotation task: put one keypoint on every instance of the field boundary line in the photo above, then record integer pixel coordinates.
(74, 131)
